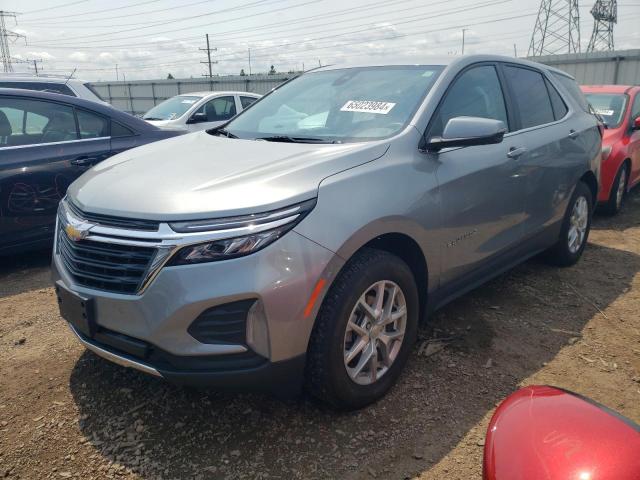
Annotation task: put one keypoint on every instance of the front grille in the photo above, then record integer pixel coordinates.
(105, 266)
(117, 222)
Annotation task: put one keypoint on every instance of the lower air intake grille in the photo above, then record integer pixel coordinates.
(105, 266)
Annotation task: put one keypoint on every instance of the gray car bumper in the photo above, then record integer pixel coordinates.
(281, 278)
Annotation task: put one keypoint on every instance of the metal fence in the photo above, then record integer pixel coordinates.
(139, 96)
(620, 67)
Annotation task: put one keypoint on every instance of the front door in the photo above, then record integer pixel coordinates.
(481, 195)
(43, 152)
(212, 113)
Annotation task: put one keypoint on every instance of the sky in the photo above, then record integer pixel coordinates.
(148, 39)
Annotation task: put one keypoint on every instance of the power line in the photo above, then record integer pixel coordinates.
(88, 13)
(54, 7)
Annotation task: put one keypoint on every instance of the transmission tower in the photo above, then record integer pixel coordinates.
(557, 28)
(4, 40)
(605, 16)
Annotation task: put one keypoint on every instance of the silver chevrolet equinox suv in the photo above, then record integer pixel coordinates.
(301, 243)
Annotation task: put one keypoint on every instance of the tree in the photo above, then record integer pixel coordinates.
(242, 74)
(169, 77)
(272, 70)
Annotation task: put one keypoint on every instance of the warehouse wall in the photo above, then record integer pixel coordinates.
(621, 67)
(139, 96)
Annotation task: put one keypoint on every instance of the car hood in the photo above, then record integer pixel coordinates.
(165, 123)
(198, 175)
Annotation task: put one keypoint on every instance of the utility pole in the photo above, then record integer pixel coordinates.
(208, 50)
(557, 28)
(35, 64)
(463, 30)
(117, 77)
(249, 62)
(4, 36)
(515, 51)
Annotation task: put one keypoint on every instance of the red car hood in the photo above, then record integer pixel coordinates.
(545, 433)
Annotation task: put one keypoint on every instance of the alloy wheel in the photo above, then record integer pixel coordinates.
(375, 332)
(578, 223)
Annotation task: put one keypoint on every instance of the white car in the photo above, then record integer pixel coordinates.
(199, 110)
(67, 86)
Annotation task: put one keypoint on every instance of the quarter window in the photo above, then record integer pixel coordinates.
(475, 93)
(530, 96)
(574, 90)
(92, 125)
(635, 108)
(29, 122)
(118, 130)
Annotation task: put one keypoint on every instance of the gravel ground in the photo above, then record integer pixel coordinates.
(65, 413)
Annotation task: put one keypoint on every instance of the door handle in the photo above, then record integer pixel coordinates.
(515, 152)
(573, 134)
(84, 161)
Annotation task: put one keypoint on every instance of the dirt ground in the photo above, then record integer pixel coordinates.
(65, 413)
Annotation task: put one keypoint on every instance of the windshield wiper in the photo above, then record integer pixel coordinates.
(152, 118)
(288, 139)
(221, 131)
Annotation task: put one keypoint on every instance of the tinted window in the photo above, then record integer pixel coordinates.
(92, 125)
(219, 109)
(559, 107)
(40, 87)
(27, 122)
(246, 101)
(635, 109)
(530, 96)
(573, 89)
(118, 130)
(610, 106)
(475, 93)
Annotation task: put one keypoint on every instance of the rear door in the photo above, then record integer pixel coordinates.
(44, 147)
(480, 186)
(557, 141)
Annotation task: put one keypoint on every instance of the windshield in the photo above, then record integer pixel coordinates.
(347, 105)
(172, 108)
(610, 106)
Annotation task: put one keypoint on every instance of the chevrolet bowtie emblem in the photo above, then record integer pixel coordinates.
(77, 233)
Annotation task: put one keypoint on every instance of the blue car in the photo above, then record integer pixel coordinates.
(47, 140)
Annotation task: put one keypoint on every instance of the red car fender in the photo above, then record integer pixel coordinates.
(545, 433)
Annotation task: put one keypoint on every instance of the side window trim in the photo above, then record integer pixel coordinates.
(436, 112)
(61, 142)
(515, 106)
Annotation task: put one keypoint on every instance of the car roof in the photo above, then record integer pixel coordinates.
(101, 108)
(217, 93)
(444, 61)
(608, 88)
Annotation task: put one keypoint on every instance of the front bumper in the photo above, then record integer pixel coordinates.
(281, 277)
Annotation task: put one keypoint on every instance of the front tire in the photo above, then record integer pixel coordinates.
(365, 330)
(575, 228)
(618, 192)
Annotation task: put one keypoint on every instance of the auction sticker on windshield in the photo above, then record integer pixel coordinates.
(367, 106)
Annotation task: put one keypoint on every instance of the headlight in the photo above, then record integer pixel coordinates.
(606, 151)
(263, 229)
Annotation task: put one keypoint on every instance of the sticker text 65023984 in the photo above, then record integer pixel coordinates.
(367, 106)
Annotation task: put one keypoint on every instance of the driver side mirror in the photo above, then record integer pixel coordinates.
(636, 124)
(198, 117)
(468, 131)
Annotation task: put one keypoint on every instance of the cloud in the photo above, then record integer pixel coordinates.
(79, 56)
(43, 55)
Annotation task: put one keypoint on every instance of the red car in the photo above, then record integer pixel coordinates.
(619, 107)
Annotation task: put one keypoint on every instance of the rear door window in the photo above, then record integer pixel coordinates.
(92, 125)
(219, 109)
(246, 101)
(530, 96)
(475, 93)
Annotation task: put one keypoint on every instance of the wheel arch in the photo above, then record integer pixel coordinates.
(589, 178)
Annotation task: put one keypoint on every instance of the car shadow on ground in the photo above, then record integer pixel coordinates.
(493, 339)
(24, 272)
(626, 218)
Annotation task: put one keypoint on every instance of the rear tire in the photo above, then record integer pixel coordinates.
(374, 337)
(618, 192)
(575, 228)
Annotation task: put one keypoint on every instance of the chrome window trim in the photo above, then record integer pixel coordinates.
(64, 142)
